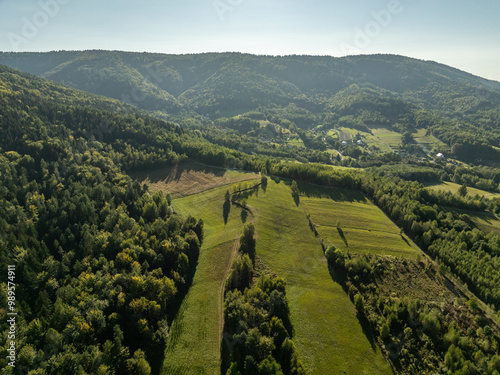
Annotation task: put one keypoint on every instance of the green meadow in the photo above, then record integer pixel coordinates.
(196, 333)
(427, 140)
(349, 221)
(328, 336)
(451, 186)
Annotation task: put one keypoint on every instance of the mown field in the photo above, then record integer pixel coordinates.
(386, 137)
(296, 142)
(383, 138)
(451, 186)
(428, 141)
(328, 335)
(349, 221)
(189, 178)
(194, 343)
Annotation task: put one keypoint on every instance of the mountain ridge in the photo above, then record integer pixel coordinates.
(165, 81)
(358, 92)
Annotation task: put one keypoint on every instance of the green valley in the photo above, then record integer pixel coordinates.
(249, 215)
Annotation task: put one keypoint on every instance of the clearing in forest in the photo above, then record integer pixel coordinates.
(189, 178)
(349, 221)
(193, 346)
(453, 187)
(328, 336)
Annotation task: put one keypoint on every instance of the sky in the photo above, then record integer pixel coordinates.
(462, 34)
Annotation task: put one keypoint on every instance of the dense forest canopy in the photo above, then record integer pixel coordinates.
(357, 92)
(109, 262)
(214, 81)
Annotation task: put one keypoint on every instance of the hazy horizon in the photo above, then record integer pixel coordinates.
(461, 34)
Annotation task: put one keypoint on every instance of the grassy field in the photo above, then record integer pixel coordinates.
(189, 178)
(383, 138)
(387, 137)
(295, 141)
(427, 141)
(346, 134)
(194, 343)
(388, 140)
(328, 336)
(365, 228)
(451, 186)
(486, 221)
(332, 152)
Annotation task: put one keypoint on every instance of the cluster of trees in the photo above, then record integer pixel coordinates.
(359, 107)
(444, 233)
(251, 144)
(101, 263)
(485, 178)
(418, 336)
(480, 177)
(257, 329)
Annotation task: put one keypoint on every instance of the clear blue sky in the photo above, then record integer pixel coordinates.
(463, 34)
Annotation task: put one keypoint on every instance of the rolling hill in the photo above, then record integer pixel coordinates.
(109, 270)
(217, 81)
(361, 93)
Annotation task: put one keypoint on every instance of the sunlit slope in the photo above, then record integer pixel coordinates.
(349, 221)
(195, 336)
(328, 335)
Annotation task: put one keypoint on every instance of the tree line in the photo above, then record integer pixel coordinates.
(257, 329)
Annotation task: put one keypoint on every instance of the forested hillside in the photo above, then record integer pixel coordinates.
(100, 263)
(358, 92)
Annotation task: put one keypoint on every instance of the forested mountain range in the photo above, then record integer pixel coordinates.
(102, 263)
(358, 92)
(221, 81)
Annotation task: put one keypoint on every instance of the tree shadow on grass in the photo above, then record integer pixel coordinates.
(276, 179)
(367, 329)
(157, 358)
(405, 240)
(342, 235)
(244, 216)
(340, 277)
(335, 193)
(226, 208)
(264, 187)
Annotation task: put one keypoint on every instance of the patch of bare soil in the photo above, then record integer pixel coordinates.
(189, 178)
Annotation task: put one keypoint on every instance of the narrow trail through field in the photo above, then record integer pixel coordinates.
(195, 337)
